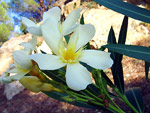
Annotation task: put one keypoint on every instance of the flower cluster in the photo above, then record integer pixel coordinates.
(65, 54)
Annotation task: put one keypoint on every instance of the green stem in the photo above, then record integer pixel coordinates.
(125, 100)
(118, 110)
(79, 95)
(97, 98)
(106, 93)
(110, 107)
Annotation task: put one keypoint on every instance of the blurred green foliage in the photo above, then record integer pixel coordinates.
(5, 23)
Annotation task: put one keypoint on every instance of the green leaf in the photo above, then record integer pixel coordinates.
(82, 19)
(54, 75)
(67, 38)
(59, 97)
(111, 40)
(135, 97)
(111, 36)
(117, 70)
(93, 89)
(147, 65)
(127, 9)
(123, 31)
(134, 51)
(109, 82)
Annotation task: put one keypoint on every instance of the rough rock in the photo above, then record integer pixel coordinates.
(103, 19)
(12, 89)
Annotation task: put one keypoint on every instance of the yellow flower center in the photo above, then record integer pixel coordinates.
(69, 54)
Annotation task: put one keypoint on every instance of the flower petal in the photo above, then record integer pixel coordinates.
(86, 33)
(82, 35)
(12, 78)
(31, 45)
(54, 12)
(12, 69)
(28, 23)
(77, 77)
(22, 59)
(97, 59)
(51, 33)
(35, 31)
(44, 47)
(69, 23)
(47, 61)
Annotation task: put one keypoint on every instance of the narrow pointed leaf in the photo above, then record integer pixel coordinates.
(123, 31)
(127, 9)
(117, 70)
(111, 40)
(134, 51)
(82, 19)
(111, 36)
(147, 65)
(135, 97)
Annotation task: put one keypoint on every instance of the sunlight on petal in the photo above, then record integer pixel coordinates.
(47, 61)
(51, 33)
(77, 77)
(54, 12)
(97, 59)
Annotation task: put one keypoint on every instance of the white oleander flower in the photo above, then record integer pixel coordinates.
(54, 15)
(70, 55)
(22, 63)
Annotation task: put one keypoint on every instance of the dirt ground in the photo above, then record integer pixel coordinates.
(28, 102)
